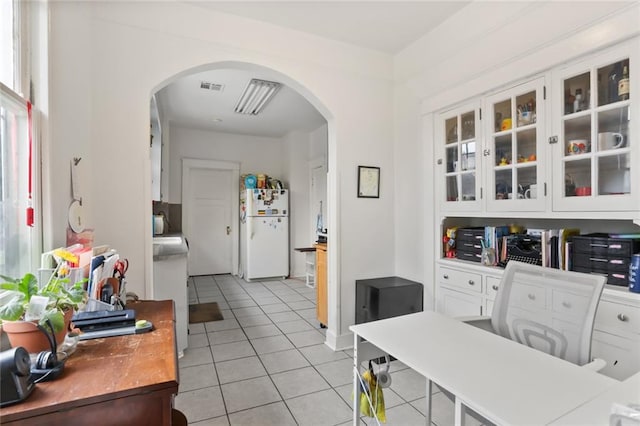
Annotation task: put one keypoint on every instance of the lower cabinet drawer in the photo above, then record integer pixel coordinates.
(467, 281)
(617, 317)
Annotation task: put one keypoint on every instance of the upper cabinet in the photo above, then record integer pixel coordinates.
(595, 141)
(458, 147)
(155, 144)
(564, 144)
(515, 148)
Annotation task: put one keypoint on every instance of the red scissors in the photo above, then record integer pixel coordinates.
(120, 268)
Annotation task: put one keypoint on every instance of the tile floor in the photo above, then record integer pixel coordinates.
(266, 363)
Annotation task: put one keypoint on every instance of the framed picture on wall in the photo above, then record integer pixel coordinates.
(368, 182)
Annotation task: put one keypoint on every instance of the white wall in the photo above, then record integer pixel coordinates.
(108, 58)
(297, 173)
(479, 49)
(254, 154)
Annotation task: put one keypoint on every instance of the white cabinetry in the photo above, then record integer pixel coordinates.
(616, 335)
(558, 150)
(595, 138)
(170, 282)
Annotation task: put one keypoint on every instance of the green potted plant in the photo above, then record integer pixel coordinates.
(15, 297)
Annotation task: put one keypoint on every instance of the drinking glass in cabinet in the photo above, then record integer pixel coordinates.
(614, 174)
(577, 94)
(613, 83)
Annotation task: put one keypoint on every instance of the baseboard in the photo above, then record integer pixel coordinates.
(339, 342)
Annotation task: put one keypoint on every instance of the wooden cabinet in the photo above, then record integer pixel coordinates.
(321, 284)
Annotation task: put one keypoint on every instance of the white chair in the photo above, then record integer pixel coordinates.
(547, 309)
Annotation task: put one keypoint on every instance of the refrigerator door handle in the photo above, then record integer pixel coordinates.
(250, 228)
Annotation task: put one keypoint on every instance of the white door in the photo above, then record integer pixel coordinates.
(210, 203)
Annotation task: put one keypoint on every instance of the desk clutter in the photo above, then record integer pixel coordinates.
(100, 268)
(616, 256)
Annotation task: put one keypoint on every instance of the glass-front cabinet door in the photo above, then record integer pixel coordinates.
(514, 148)
(596, 145)
(458, 160)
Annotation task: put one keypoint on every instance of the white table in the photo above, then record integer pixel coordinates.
(597, 410)
(504, 381)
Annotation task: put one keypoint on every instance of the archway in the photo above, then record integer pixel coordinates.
(331, 218)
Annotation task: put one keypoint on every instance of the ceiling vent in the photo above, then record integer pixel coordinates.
(256, 96)
(215, 87)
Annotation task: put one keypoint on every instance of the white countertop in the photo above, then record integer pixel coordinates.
(168, 245)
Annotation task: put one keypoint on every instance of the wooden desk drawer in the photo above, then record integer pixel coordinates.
(464, 280)
(618, 316)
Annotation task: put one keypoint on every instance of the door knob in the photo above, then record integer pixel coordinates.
(228, 230)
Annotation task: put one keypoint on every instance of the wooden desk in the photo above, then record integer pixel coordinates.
(504, 381)
(124, 380)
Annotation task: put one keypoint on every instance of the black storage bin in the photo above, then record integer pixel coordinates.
(599, 254)
(381, 298)
(473, 256)
(470, 235)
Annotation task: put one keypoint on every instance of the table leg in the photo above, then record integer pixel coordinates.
(428, 401)
(356, 384)
(459, 412)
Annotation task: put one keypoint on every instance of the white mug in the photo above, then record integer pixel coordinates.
(532, 192)
(610, 140)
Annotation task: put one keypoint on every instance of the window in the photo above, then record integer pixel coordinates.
(15, 235)
(8, 43)
(19, 243)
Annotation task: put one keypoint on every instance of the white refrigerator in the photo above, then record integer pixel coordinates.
(264, 233)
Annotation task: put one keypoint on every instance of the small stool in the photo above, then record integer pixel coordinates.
(178, 418)
(309, 265)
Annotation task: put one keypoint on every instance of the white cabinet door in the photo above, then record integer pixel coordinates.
(458, 140)
(514, 160)
(456, 304)
(622, 355)
(595, 150)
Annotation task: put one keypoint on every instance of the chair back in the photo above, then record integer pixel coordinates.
(548, 309)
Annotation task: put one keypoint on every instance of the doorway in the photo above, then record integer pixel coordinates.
(210, 216)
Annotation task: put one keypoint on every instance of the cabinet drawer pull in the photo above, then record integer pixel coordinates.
(494, 287)
(471, 282)
(445, 276)
(531, 297)
(566, 304)
(623, 317)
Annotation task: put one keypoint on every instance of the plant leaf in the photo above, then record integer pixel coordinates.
(13, 309)
(56, 318)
